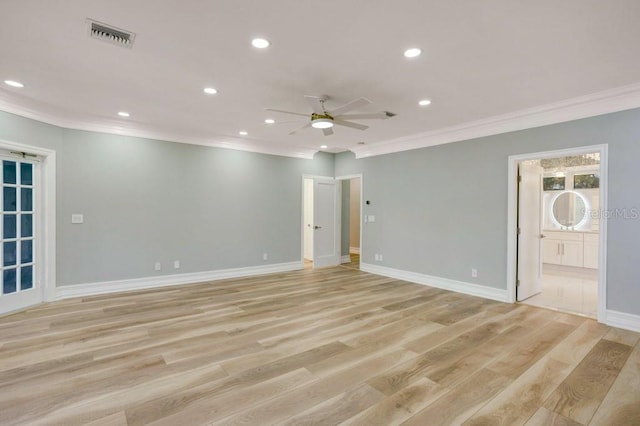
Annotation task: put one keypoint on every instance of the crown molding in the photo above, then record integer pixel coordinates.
(599, 103)
(49, 116)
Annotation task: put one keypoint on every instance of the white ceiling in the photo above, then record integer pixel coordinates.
(480, 59)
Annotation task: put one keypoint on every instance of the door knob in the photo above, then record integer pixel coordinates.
(317, 227)
(543, 236)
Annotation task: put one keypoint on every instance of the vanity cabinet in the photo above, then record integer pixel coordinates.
(570, 248)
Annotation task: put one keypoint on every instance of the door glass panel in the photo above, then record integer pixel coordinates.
(9, 253)
(26, 225)
(26, 200)
(9, 172)
(9, 284)
(26, 174)
(26, 277)
(26, 251)
(9, 203)
(9, 226)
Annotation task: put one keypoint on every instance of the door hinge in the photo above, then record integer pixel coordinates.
(517, 283)
(519, 178)
(518, 231)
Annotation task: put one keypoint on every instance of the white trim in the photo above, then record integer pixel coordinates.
(105, 287)
(604, 102)
(345, 259)
(361, 177)
(354, 250)
(512, 217)
(438, 282)
(622, 320)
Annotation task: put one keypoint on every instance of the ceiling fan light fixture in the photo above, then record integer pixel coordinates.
(322, 123)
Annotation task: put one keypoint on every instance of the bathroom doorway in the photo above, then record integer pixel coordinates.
(559, 232)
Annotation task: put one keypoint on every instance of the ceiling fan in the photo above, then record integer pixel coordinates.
(324, 119)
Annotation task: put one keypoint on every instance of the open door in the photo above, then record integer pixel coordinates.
(326, 225)
(529, 230)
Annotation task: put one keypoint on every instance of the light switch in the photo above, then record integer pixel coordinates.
(77, 218)
(372, 218)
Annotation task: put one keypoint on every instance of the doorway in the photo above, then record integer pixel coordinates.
(559, 241)
(321, 199)
(351, 221)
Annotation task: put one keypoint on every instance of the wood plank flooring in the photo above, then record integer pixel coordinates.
(328, 346)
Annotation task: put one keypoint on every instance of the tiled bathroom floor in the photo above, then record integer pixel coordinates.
(568, 289)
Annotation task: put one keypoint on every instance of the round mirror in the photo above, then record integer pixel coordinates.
(569, 209)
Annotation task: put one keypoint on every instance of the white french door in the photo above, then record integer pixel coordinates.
(19, 286)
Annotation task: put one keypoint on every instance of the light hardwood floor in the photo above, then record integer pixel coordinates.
(329, 346)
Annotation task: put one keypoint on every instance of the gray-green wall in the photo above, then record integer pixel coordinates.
(147, 201)
(442, 210)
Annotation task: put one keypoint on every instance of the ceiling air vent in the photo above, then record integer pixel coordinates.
(110, 34)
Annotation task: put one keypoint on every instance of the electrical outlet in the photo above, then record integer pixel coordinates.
(157, 266)
(176, 264)
(380, 258)
(77, 218)
(474, 273)
(265, 256)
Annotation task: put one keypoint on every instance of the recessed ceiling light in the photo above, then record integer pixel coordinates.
(243, 133)
(260, 43)
(424, 102)
(124, 114)
(323, 147)
(269, 121)
(14, 83)
(412, 53)
(210, 91)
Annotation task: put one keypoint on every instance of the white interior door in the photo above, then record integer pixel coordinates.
(326, 225)
(308, 219)
(529, 226)
(19, 286)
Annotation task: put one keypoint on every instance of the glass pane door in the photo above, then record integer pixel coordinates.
(17, 259)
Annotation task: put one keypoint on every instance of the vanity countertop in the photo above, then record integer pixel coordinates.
(572, 231)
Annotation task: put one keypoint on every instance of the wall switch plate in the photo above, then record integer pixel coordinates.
(380, 258)
(474, 273)
(77, 218)
(176, 264)
(372, 218)
(265, 256)
(157, 266)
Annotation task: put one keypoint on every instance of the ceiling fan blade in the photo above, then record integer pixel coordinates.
(286, 112)
(355, 104)
(351, 124)
(327, 132)
(381, 115)
(303, 127)
(316, 104)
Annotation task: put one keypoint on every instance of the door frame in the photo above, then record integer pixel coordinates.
(512, 200)
(349, 177)
(46, 223)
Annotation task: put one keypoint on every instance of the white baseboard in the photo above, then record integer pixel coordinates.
(622, 320)
(354, 250)
(438, 282)
(96, 288)
(345, 259)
